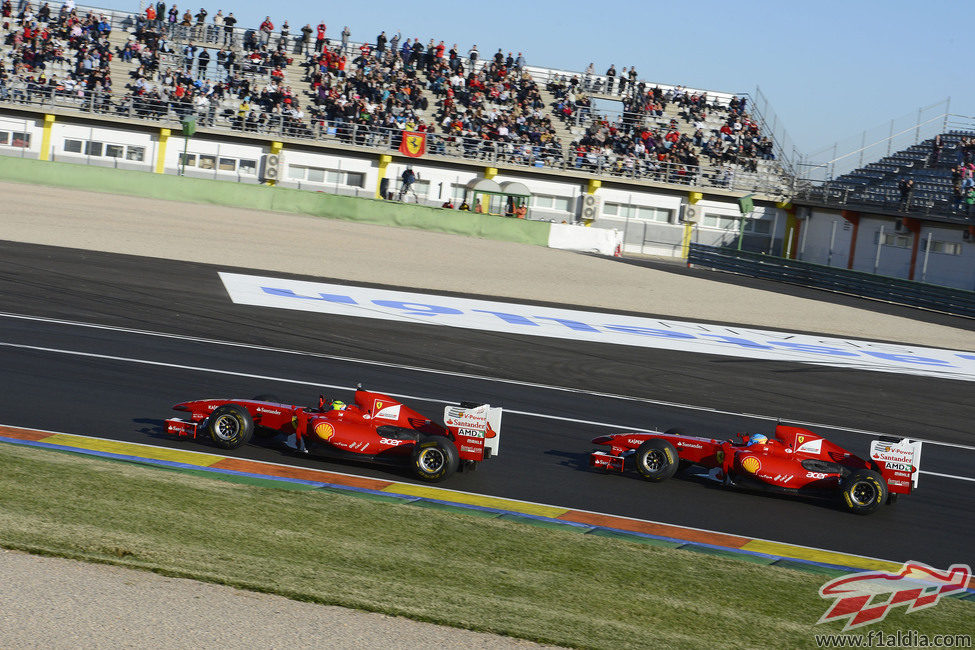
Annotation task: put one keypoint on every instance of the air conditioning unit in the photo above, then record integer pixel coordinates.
(272, 166)
(691, 213)
(591, 207)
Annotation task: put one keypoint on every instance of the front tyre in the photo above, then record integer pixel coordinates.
(230, 426)
(435, 458)
(656, 460)
(863, 491)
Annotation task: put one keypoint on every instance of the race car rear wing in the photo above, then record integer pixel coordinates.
(476, 430)
(899, 462)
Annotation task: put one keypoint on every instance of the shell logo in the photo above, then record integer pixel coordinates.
(751, 464)
(324, 430)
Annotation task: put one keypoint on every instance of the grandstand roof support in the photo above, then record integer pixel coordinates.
(854, 218)
(914, 226)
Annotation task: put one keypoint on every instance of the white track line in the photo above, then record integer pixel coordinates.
(177, 366)
(448, 373)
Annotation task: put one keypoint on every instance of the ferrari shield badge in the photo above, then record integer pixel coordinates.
(414, 144)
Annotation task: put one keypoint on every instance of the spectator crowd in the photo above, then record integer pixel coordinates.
(183, 63)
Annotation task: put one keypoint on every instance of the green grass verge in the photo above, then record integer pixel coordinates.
(494, 575)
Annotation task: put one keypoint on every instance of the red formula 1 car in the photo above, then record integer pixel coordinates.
(376, 427)
(795, 461)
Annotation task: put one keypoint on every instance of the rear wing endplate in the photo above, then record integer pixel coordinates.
(479, 426)
(899, 462)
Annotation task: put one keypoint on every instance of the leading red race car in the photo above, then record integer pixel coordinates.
(796, 461)
(376, 427)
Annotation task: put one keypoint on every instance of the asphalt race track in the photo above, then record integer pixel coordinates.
(105, 381)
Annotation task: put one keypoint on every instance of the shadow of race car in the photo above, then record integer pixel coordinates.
(796, 461)
(375, 427)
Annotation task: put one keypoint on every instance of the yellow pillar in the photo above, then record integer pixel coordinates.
(161, 151)
(384, 161)
(276, 148)
(489, 173)
(685, 242)
(46, 138)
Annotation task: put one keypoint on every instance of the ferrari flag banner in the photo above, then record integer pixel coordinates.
(414, 144)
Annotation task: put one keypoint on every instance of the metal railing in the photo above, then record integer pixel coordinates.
(225, 118)
(875, 143)
(858, 283)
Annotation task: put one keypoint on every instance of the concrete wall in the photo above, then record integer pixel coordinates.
(950, 262)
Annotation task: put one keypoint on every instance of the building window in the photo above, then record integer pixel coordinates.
(332, 176)
(891, 239)
(92, 148)
(228, 164)
(20, 140)
(207, 162)
(247, 167)
(758, 226)
(458, 192)
(719, 221)
(187, 159)
(945, 247)
(548, 202)
(626, 211)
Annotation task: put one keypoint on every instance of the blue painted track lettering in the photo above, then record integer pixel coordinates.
(571, 324)
(330, 297)
(514, 319)
(417, 308)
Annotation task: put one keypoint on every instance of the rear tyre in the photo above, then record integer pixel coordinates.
(863, 491)
(230, 426)
(656, 460)
(435, 458)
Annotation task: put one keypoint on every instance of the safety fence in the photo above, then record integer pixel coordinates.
(858, 283)
(170, 114)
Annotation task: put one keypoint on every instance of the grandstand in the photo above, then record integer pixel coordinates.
(129, 65)
(937, 166)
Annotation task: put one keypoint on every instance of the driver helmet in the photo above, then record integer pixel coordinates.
(338, 405)
(757, 439)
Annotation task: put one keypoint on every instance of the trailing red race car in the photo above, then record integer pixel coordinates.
(376, 427)
(795, 461)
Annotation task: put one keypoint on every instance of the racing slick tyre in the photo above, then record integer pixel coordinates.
(656, 460)
(863, 491)
(435, 458)
(230, 426)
